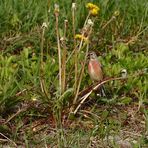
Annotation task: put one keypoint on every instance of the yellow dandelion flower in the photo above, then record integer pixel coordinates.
(94, 9)
(80, 37)
(116, 13)
(91, 6)
(93, 12)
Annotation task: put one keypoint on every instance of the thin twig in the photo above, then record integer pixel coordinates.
(134, 38)
(94, 88)
(19, 93)
(17, 113)
(9, 139)
(108, 22)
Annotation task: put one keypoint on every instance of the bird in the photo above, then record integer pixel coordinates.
(95, 69)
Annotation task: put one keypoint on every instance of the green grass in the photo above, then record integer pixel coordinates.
(31, 114)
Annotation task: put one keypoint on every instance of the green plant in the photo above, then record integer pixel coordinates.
(42, 81)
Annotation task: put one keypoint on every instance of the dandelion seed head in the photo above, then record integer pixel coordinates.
(73, 6)
(44, 25)
(56, 8)
(62, 39)
(90, 22)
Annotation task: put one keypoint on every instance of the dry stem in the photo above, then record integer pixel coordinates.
(59, 53)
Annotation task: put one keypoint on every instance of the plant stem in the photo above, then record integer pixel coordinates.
(108, 22)
(59, 53)
(63, 74)
(75, 50)
(82, 70)
(80, 45)
(81, 74)
(42, 82)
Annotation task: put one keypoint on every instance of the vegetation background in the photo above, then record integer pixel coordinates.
(35, 111)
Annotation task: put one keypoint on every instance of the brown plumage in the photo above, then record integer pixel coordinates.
(95, 70)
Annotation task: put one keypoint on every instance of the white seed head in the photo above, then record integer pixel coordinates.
(62, 39)
(73, 6)
(66, 21)
(90, 22)
(44, 25)
(56, 8)
(124, 73)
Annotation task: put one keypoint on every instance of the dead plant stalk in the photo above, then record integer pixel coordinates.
(59, 53)
(63, 70)
(75, 49)
(42, 82)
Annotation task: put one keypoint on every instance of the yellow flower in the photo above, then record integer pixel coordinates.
(80, 37)
(91, 6)
(116, 13)
(94, 9)
(93, 12)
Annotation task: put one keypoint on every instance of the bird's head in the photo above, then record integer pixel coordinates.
(92, 55)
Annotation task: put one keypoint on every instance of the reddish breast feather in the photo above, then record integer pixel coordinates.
(95, 70)
(95, 65)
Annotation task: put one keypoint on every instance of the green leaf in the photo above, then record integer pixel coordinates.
(126, 100)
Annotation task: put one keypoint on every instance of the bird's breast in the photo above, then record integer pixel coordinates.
(95, 71)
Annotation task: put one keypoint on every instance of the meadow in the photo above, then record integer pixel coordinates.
(47, 98)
